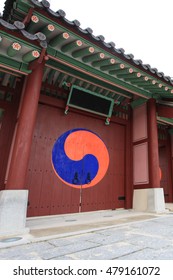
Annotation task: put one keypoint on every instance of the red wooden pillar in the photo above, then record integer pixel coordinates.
(129, 162)
(25, 127)
(153, 145)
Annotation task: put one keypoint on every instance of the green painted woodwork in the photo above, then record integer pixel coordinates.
(105, 92)
(113, 80)
(2, 75)
(111, 67)
(51, 75)
(22, 5)
(23, 43)
(59, 39)
(91, 87)
(71, 46)
(13, 49)
(52, 52)
(30, 56)
(70, 104)
(83, 52)
(137, 102)
(166, 120)
(17, 15)
(170, 131)
(157, 90)
(98, 49)
(1, 114)
(133, 77)
(13, 64)
(20, 8)
(122, 72)
(93, 57)
(24, 68)
(148, 84)
(85, 84)
(59, 79)
(12, 81)
(33, 23)
(142, 83)
(134, 87)
(69, 79)
(108, 61)
(77, 82)
(97, 90)
(156, 96)
(48, 29)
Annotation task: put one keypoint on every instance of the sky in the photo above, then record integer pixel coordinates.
(143, 28)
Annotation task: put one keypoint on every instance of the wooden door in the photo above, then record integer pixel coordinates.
(49, 192)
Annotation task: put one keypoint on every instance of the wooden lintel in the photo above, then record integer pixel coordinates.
(165, 111)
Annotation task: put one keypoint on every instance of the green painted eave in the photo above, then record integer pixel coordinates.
(146, 92)
(14, 65)
(16, 61)
(13, 38)
(91, 71)
(118, 79)
(165, 120)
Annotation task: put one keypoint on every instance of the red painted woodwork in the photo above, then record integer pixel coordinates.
(165, 111)
(7, 130)
(164, 168)
(24, 132)
(129, 162)
(6, 134)
(140, 157)
(154, 178)
(47, 194)
(165, 161)
(139, 123)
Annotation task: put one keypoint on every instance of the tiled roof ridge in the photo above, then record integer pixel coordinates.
(44, 4)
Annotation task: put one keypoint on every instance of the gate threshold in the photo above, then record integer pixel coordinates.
(47, 227)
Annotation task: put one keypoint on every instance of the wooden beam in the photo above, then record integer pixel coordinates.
(30, 56)
(165, 111)
(93, 57)
(122, 72)
(34, 20)
(83, 52)
(112, 67)
(48, 29)
(109, 61)
(71, 46)
(13, 49)
(59, 39)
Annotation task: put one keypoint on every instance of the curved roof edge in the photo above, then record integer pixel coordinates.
(60, 14)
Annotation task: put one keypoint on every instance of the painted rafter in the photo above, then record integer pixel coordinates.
(98, 61)
(104, 61)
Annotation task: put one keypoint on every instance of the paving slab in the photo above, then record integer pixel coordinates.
(124, 235)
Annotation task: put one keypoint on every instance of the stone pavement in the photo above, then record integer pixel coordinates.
(123, 235)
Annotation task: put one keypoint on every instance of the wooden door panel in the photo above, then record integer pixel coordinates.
(48, 194)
